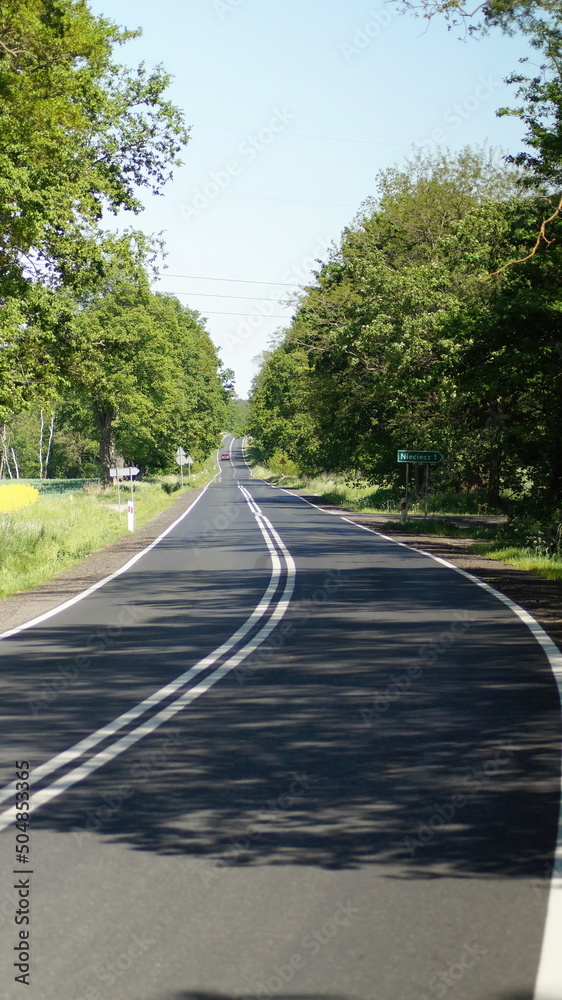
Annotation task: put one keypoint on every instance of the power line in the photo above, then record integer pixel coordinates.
(207, 312)
(302, 135)
(219, 295)
(240, 281)
(292, 201)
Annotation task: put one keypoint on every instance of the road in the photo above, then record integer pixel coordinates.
(280, 756)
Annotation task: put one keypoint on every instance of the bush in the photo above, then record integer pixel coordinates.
(282, 465)
(526, 531)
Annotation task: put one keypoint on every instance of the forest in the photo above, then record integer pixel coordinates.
(94, 366)
(435, 322)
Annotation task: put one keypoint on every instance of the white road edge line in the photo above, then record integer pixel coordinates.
(548, 984)
(98, 760)
(107, 579)
(86, 744)
(251, 471)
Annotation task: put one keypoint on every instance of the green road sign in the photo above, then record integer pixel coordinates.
(419, 456)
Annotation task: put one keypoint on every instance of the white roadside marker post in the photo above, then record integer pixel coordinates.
(118, 474)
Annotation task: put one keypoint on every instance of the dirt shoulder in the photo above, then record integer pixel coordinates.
(541, 598)
(29, 604)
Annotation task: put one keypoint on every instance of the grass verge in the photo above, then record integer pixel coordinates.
(40, 542)
(359, 497)
(444, 529)
(549, 567)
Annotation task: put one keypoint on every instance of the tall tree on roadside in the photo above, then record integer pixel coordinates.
(146, 371)
(79, 135)
(539, 95)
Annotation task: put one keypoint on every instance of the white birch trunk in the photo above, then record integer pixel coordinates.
(48, 455)
(41, 429)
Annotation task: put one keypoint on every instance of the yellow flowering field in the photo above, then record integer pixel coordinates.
(15, 496)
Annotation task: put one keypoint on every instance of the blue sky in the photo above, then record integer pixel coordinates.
(294, 108)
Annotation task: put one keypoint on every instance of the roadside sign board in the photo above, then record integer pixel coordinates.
(131, 470)
(189, 460)
(181, 456)
(420, 456)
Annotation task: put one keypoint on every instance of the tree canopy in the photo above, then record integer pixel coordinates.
(538, 93)
(405, 341)
(79, 135)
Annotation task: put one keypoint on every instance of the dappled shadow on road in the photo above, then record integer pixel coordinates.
(205, 995)
(401, 716)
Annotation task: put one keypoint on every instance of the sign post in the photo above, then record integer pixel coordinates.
(404, 504)
(427, 458)
(181, 459)
(130, 470)
(189, 463)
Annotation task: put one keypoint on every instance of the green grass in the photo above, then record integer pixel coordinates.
(41, 541)
(359, 498)
(549, 567)
(435, 526)
(54, 485)
(374, 500)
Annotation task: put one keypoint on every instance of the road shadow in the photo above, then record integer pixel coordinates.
(401, 716)
(203, 995)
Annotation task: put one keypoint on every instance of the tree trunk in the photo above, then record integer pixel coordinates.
(494, 473)
(554, 484)
(105, 417)
(5, 450)
(495, 424)
(48, 455)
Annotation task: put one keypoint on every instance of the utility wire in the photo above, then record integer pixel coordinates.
(207, 312)
(217, 295)
(241, 281)
(257, 197)
(302, 135)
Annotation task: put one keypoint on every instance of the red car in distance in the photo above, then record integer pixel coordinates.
(225, 457)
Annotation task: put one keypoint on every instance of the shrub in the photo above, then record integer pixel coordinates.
(529, 533)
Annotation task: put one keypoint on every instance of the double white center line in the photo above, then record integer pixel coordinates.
(282, 562)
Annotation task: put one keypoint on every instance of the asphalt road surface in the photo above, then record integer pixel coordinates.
(280, 756)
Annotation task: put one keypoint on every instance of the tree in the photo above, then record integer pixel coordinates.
(540, 23)
(146, 371)
(405, 341)
(237, 416)
(79, 135)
